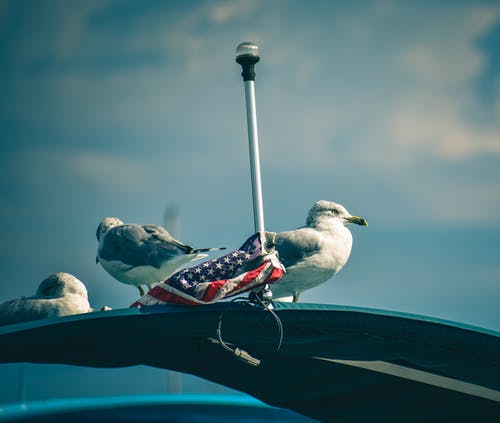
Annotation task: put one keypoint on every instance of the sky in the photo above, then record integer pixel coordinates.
(125, 108)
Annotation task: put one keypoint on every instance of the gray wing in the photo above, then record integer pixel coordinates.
(296, 245)
(141, 245)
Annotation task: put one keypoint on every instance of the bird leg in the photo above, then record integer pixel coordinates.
(141, 290)
(296, 297)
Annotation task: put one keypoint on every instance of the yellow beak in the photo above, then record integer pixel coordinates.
(357, 220)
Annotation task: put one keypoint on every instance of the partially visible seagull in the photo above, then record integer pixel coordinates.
(314, 253)
(141, 254)
(60, 294)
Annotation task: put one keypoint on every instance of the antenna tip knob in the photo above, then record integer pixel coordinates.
(247, 50)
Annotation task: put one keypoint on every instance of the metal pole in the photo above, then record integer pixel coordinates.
(247, 55)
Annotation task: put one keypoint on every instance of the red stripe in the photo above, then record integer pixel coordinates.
(275, 275)
(212, 290)
(214, 287)
(168, 297)
(251, 276)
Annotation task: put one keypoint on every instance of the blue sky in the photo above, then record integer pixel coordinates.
(391, 108)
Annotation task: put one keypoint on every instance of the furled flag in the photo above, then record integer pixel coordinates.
(254, 264)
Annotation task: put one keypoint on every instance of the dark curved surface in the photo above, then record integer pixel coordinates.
(336, 363)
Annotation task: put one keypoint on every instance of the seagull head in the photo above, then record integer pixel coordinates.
(329, 210)
(60, 284)
(107, 223)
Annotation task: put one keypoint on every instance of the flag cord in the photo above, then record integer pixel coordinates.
(268, 306)
(242, 354)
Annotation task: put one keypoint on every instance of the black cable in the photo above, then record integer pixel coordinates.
(242, 354)
(237, 352)
(276, 318)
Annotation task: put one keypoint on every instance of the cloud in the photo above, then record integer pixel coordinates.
(54, 30)
(447, 54)
(224, 11)
(59, 174)
(412, 97)
(436, 113)
(338, 88)
(437, 126)
(123, 174)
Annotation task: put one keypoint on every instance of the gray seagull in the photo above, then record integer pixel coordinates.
(314, 253)
(141, 254)
(60, 294)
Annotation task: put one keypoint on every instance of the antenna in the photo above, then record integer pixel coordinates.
(247, 55)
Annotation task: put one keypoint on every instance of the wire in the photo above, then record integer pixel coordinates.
(237, 352)
(276, 318)
(242, 354)
(219, 334)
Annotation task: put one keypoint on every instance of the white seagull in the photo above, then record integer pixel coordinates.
(60, 294)
(141, 254)
(314, 253)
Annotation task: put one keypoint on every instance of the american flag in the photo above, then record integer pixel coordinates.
(250, 266)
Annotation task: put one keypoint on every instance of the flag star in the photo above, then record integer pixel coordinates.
(239, 262)
(197, 270)
(206, 264)
(231, 267)
(203, 277)
(235, 254)
(227, 260)
(247, 256)
(211, 271)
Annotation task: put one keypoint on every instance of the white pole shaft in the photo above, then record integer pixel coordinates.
(253, 144)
